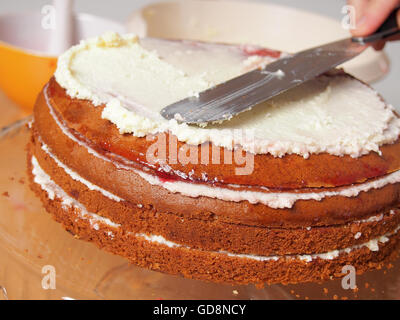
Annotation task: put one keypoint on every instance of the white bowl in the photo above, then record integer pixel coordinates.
(274, 26)
(25, 30)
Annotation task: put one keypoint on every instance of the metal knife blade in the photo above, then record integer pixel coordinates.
(241, 93)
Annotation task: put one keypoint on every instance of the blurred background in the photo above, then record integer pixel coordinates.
(121, 10)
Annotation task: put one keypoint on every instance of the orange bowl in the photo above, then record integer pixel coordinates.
(23, 74)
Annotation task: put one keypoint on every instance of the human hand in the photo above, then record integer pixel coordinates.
(370, 14)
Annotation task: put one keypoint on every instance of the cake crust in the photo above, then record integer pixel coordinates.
(212, 266)
(212, 234)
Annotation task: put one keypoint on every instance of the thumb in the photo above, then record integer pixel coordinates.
(398, 18)
(374, 15)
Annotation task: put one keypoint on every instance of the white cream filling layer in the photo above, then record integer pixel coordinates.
(54, 191)
(276, 200)
(136, 78)
(372, 245)
(75, 176)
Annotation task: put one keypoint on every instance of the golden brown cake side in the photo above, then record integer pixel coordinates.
(173, 258)
(211, 234)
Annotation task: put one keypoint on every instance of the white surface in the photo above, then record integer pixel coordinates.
(121, 9)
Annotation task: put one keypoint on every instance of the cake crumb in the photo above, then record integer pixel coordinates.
(235, 292)
(326, 290)
(366, 285)
(260, 285)
(335, 297)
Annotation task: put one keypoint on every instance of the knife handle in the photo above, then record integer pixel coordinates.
(386, 30)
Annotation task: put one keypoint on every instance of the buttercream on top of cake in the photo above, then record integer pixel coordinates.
(135, 78)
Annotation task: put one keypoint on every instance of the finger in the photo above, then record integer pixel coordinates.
(379, 45)
(393, 38)
(398, 17)
(374, 15)
(359, 7)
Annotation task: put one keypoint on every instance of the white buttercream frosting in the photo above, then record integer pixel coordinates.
(135, 78)
(55, 191)
(276, 200)
(75, 176)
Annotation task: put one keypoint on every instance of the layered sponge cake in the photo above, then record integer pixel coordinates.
(290, 191)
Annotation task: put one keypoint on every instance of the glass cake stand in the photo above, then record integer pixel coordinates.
(30, 242)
